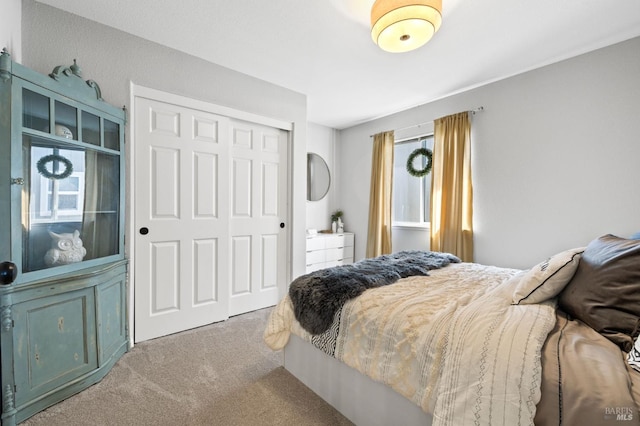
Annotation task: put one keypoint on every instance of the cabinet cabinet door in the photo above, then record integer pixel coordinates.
(54, 342)
(112, 338)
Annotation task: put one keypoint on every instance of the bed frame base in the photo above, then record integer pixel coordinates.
(359, 398)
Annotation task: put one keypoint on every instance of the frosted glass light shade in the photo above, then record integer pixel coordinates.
(404, 25)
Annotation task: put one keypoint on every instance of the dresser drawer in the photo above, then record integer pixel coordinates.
(317, 256)
(335, 254)
(333, 263)
(335, 241)
(315, 267)
(316, 243)
(348, 240)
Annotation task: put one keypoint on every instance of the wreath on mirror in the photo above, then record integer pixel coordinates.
(426, 169)
(65, 173)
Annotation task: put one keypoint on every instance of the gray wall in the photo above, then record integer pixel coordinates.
(10, 28)
(555, 157)
(115, 59)
(321, 140)
(555, 152)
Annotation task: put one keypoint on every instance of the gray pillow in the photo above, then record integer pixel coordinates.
(604, 292)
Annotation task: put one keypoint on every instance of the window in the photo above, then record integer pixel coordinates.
(411, 195)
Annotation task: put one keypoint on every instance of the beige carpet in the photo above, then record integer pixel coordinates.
(220, 374)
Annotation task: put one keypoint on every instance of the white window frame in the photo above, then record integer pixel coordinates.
(424, 224)
(42, 192)
(55, 213)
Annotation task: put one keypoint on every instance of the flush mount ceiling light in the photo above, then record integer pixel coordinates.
(404, 25)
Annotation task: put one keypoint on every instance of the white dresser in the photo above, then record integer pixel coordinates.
(326, 250)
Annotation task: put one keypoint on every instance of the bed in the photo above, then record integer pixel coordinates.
(453, 343)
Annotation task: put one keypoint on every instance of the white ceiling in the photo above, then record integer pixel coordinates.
(323, 48)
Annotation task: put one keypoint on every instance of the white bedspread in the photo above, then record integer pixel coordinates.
(450, 342)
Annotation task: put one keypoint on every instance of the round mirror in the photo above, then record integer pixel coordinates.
(318, 177)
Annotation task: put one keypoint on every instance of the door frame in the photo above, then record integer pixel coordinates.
(139, 91)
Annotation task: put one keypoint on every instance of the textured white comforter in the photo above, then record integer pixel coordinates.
(450, 342)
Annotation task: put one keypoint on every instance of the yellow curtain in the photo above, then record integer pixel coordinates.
(451, 189)
(379, 233)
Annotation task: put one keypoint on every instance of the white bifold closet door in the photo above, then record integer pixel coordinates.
(210, 211)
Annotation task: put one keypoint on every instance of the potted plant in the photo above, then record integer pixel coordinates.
(336, 221)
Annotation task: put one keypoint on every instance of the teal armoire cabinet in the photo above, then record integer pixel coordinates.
(63, 273)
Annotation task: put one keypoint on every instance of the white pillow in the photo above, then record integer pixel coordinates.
(548, 278)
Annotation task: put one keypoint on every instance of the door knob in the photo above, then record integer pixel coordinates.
(144, 230)
(8, 272)
(281, 224)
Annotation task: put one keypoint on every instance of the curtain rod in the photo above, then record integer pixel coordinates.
(472, 111)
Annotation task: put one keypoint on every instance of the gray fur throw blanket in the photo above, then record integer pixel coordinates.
(318, 295)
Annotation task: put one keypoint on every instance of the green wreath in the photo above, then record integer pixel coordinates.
(427, 168)
(42, 166)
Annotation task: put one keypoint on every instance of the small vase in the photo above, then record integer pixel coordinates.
(340, 226)
(334, 227)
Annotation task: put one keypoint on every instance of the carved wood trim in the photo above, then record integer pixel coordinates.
(6, 320)
(8, 399)
(5, 65)
(72, 76)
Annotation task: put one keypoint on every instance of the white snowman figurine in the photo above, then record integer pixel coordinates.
(65, 248)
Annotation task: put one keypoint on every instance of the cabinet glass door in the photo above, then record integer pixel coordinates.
(35, 111)
(71, 205)
(66, 121)
(90, 128)
(111, 135)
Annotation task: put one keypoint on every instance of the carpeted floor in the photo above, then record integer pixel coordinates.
(220, 374)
